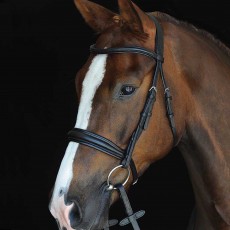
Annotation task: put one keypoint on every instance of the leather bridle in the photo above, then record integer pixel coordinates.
(104, 145)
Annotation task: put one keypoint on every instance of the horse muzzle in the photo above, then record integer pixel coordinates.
(90, 214)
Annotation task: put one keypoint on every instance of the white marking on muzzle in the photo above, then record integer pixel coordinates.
(92, 81)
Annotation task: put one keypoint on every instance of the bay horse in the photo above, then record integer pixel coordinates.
(126, 120)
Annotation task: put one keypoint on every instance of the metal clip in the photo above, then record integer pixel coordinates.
(153, 87)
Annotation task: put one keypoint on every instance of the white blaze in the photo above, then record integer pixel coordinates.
(92, 81)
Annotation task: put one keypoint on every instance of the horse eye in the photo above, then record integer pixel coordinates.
(127, 90)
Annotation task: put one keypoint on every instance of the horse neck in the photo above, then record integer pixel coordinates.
(201, 91)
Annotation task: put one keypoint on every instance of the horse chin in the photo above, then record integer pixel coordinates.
(102, 213)
(97, 214)
(100, 221)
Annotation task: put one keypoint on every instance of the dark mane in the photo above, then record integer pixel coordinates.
(186, 25)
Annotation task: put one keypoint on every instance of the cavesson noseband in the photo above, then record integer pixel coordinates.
(102, 144)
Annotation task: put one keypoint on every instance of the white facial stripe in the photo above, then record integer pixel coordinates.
(92, 81)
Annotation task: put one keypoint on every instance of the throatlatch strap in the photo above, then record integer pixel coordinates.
(132, 217)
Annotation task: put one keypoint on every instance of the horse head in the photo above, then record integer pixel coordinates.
(112, 88)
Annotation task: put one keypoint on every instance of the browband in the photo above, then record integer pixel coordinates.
(127, 49)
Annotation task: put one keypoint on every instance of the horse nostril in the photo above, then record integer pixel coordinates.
(75, 216)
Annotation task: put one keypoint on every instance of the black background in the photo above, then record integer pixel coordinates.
(43, 44)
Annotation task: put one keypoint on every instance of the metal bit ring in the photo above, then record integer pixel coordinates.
(111, 186)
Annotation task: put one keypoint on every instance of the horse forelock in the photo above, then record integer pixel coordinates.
(121, 35)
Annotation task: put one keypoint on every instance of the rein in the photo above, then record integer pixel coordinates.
(102, 144)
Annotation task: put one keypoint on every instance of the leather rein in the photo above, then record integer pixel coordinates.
(104, 145)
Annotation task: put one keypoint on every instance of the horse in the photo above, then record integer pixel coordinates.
(151, 83)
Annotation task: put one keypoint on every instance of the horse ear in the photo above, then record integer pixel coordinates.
(96, 16)
(134, 16)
